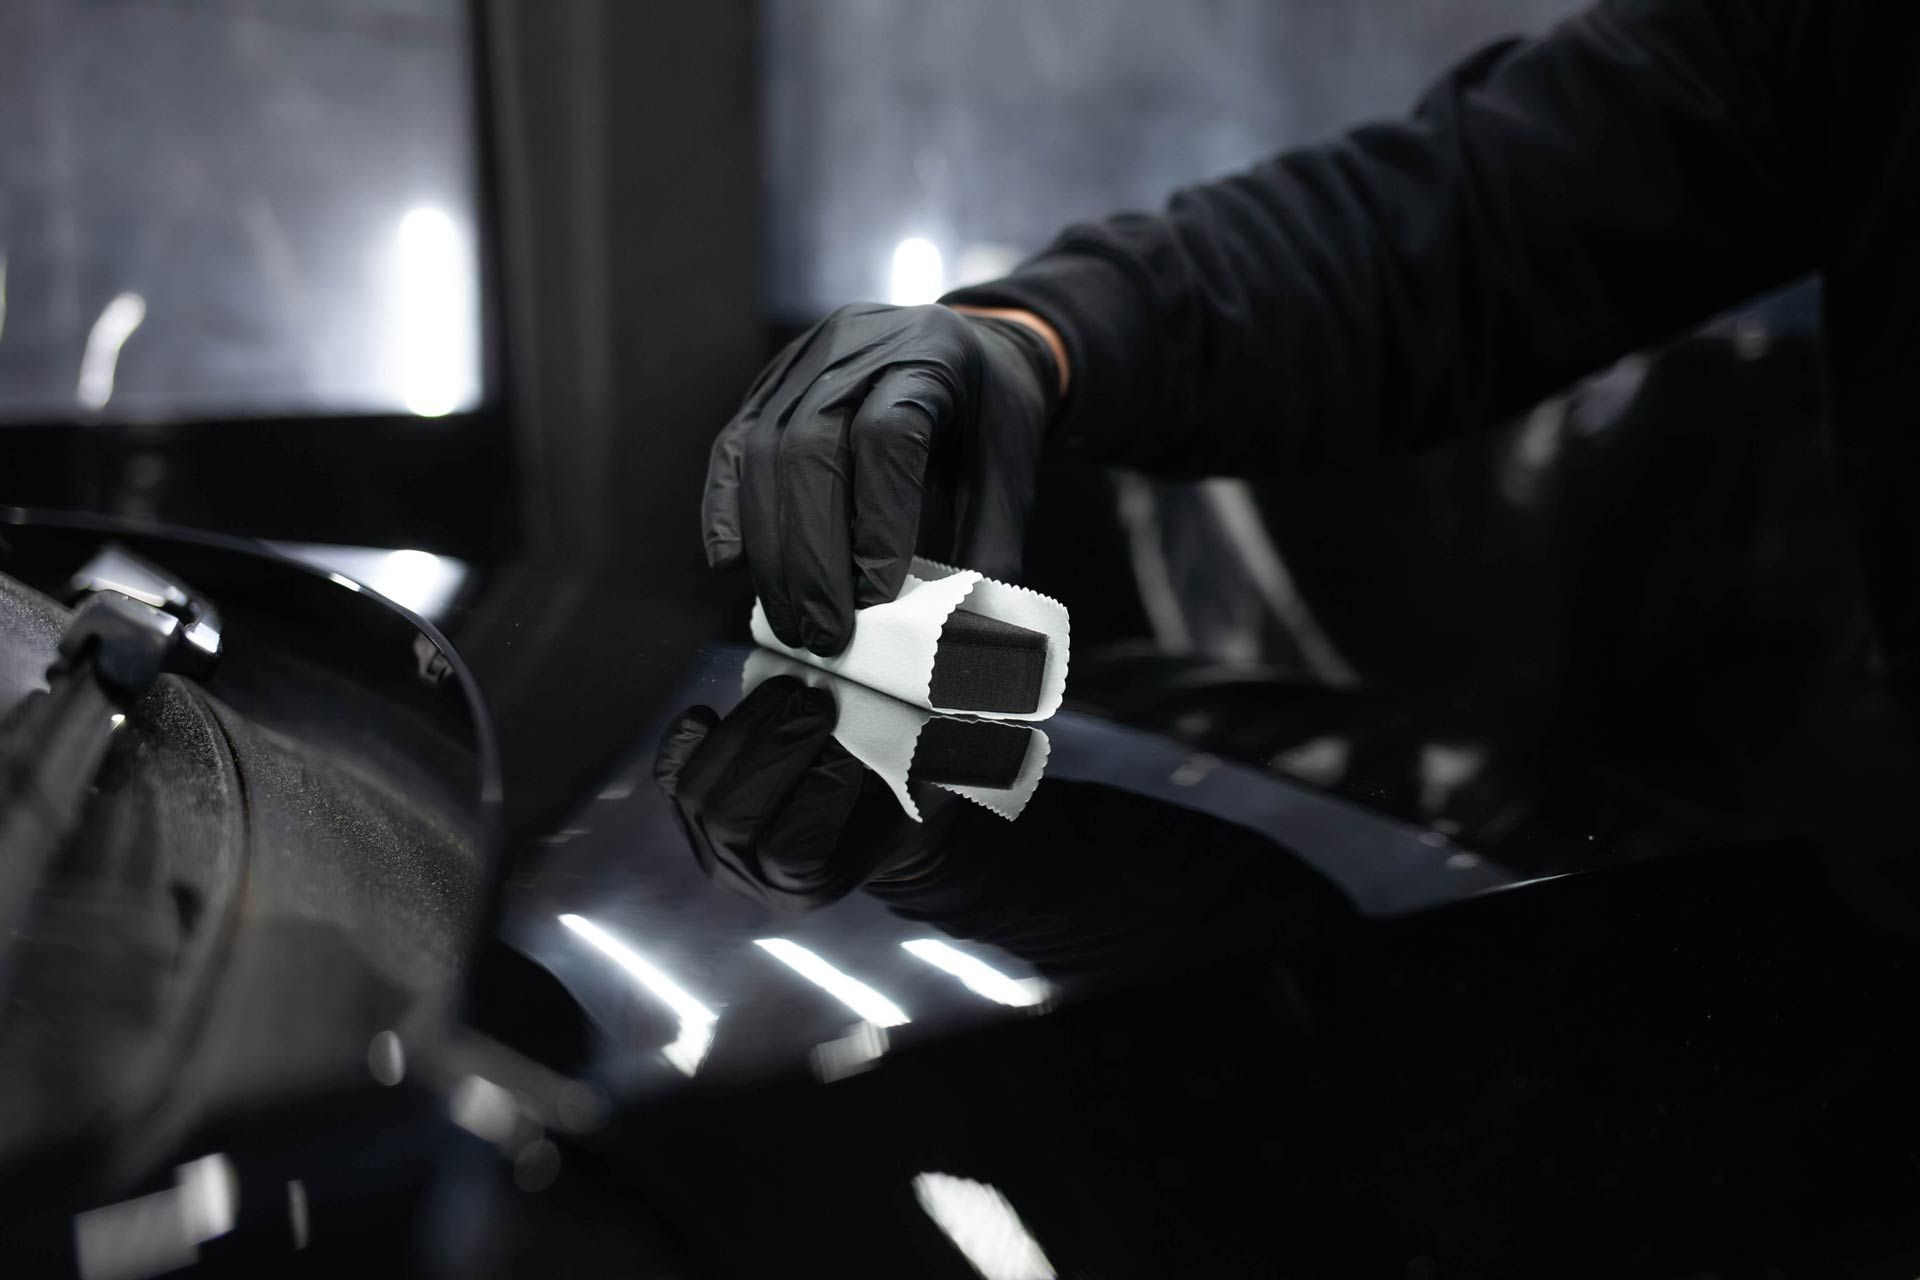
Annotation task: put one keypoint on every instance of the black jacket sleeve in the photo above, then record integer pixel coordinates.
(1551, 205)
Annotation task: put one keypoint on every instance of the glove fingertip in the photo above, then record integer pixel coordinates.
(878, 585)
(827, 636)
(682, 738)
(818, 701)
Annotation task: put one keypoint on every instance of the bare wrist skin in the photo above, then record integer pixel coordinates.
(1035, 323)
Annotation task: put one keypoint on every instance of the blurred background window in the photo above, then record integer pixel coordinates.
(914, 145)
(236, 208)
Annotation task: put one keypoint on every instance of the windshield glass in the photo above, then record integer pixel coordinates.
(236, 208)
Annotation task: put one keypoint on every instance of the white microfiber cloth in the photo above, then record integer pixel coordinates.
(894, 644)
(882, 733)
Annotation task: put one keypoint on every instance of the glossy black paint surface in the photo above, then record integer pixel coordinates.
(1284, 1035)
(1112, 910)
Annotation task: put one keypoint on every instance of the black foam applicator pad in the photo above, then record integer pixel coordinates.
(970, 753)
(983, 664)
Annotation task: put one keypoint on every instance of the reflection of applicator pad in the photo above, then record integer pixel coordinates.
(970, 753)
(982, 664)
(955, 642)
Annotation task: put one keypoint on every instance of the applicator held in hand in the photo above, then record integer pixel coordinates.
(956, 642)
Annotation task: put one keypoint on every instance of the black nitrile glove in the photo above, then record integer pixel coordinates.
(775, 809)
(879, 432)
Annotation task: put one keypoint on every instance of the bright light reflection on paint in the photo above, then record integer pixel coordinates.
(977, 975)
(696, 1020)
(983, 1227)
(844, 987)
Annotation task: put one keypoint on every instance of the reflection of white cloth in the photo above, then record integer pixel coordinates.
(894, 644)
(883, 733)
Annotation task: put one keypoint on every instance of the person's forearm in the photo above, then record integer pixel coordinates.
(1552, 206)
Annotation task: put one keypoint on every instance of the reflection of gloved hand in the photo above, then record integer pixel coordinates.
(880, 431)
(776, 809)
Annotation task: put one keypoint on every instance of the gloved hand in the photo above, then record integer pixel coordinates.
(880, 431)
(775, 809)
